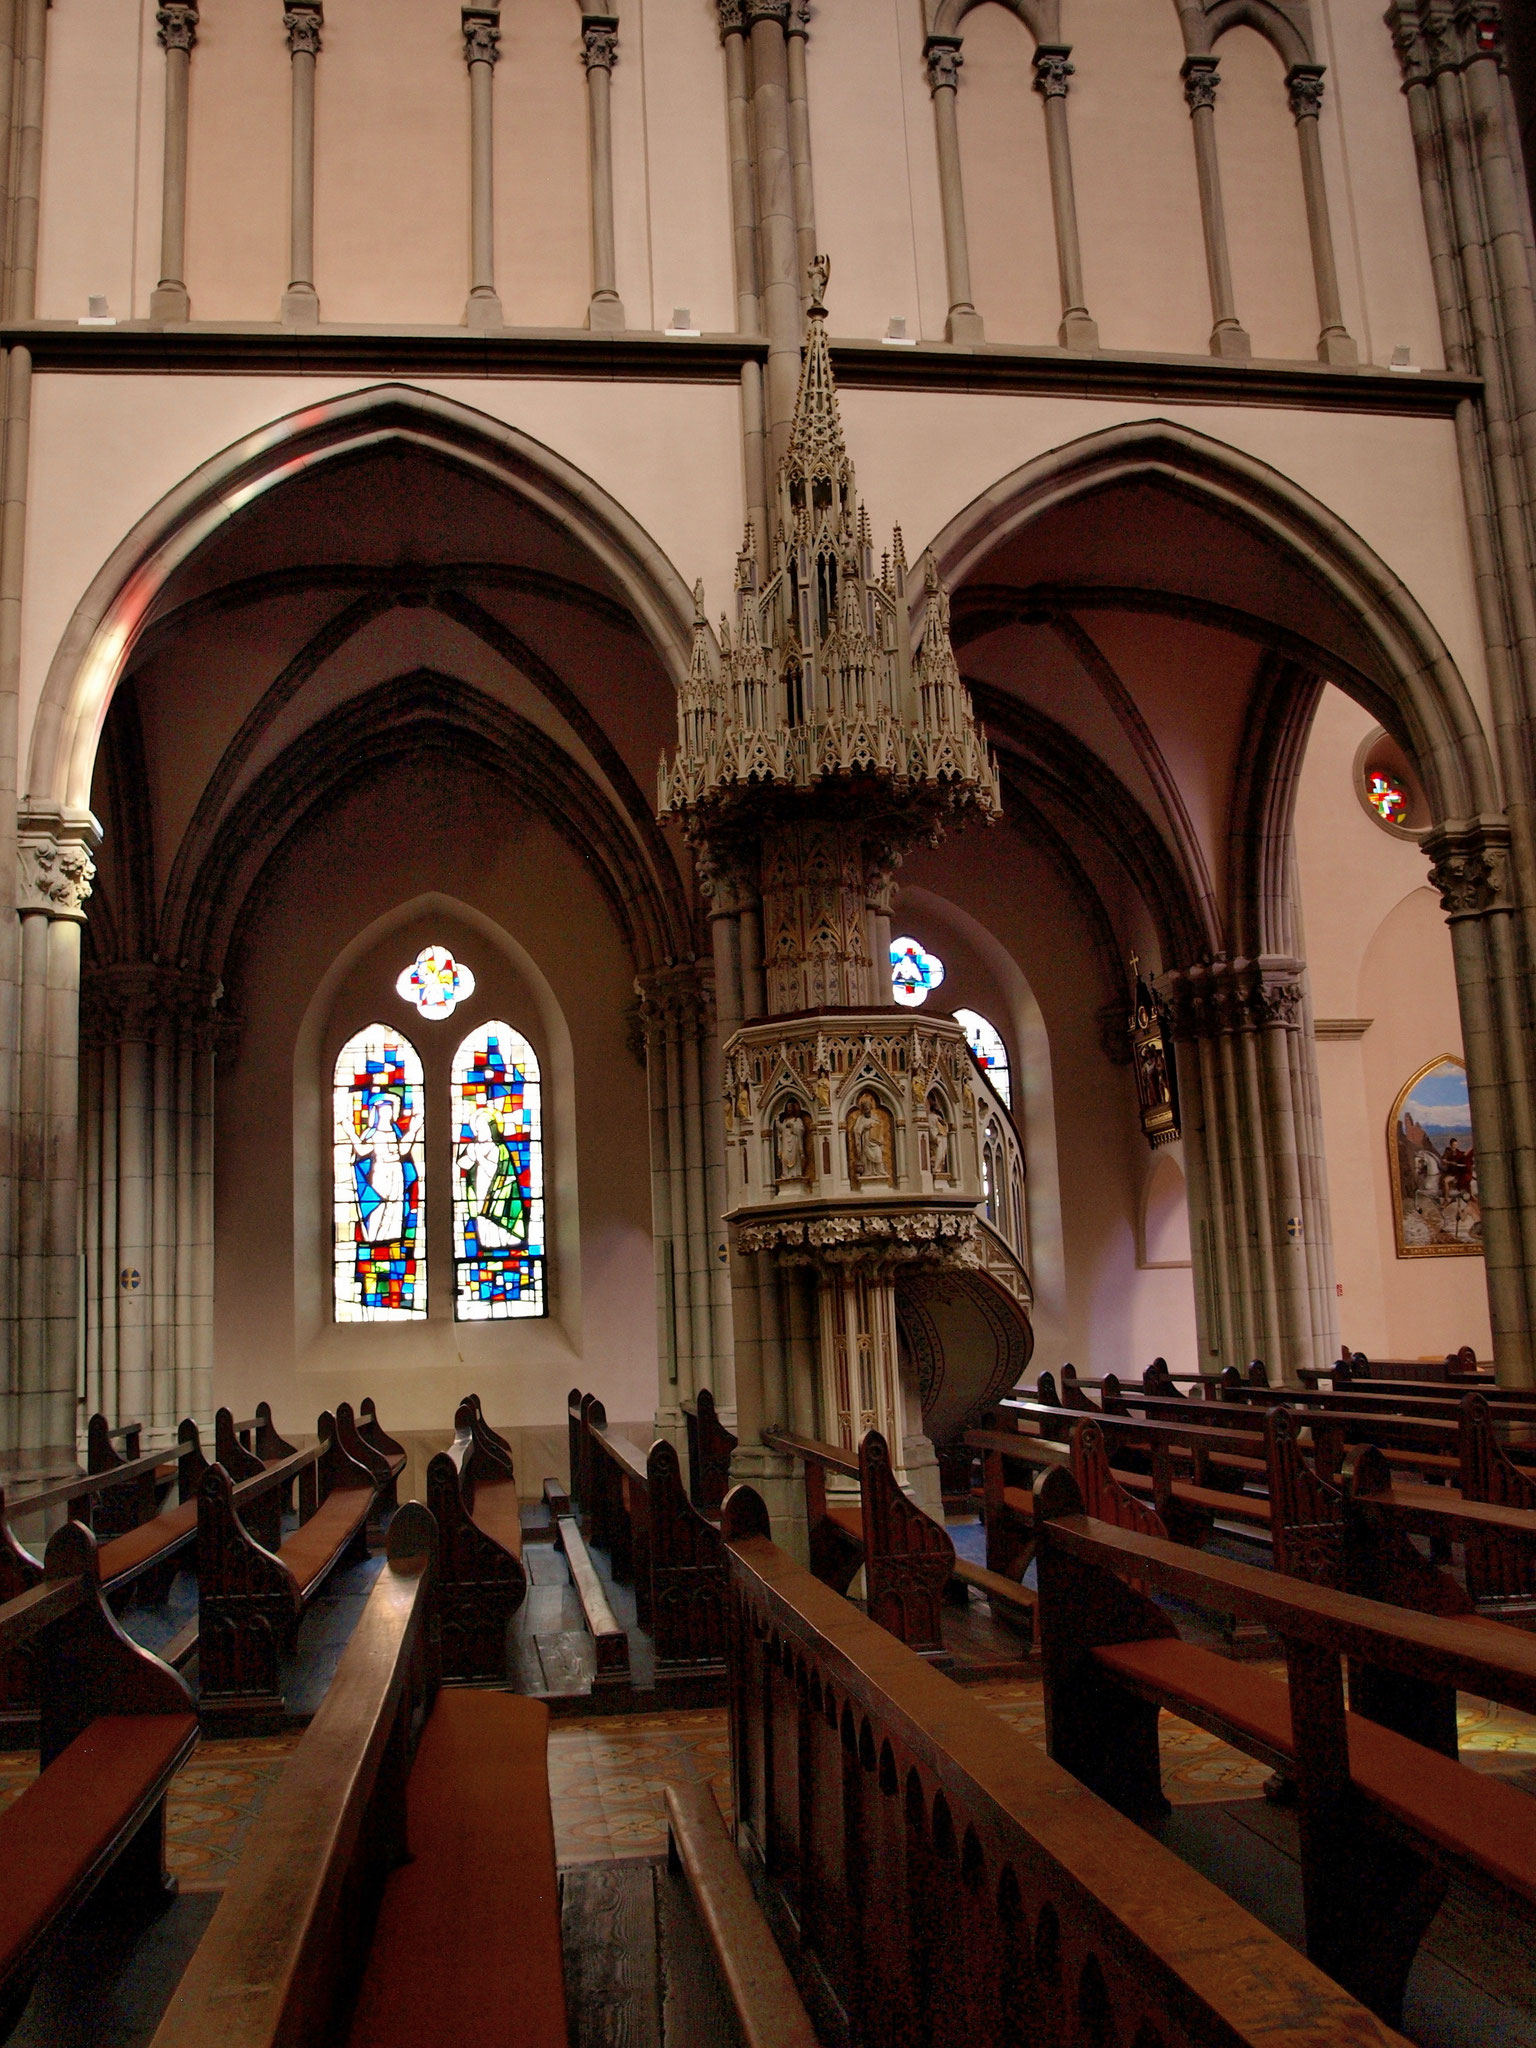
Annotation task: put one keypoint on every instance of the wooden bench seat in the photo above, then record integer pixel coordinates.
(610, 1642)
(481, 1888)
(252, 1589)
(472, 1494)
(115, 1726)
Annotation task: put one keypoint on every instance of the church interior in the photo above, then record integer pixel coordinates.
(768, 1052)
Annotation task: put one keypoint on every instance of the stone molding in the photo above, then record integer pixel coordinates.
(55, 867)
(903, 1237)
(1052, 70)
(482, 34)
(599, 41)
(178, 25)
(1201, 76)
(942, 56)
(303, 21)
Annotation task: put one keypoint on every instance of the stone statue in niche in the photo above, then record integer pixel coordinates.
(938, 1139)
(869, 1140)
(789, 1144)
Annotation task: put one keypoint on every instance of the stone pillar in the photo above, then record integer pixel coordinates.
(942, 54)
(482, 47)
(1304, 83)
(1052, 70)
(1200, 77)
(303, 20)
(744, 248)
(797, 33)
(599, 53)
(54, 879)
(178, 33)
(779, 280)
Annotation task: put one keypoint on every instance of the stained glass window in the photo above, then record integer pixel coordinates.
(498, 1177)
(1388, 799)
(986, 1043)
(915, 972)
(436, 983)
(380, 1215)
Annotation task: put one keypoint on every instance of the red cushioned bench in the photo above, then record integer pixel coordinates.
(383, 1899)
(115, 1726)
(1383, 1819)
(252, 1594)
(472, 1493)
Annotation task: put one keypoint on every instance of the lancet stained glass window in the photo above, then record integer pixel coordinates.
(498, 1177)
(380, 1215)
(991, 1055)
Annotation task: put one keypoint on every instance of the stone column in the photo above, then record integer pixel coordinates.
(1304, 82)
(779, 282)
(1227, 337)
(942, 54)
(55, 869)
(1052, 70)
(303, 20)
(797, 33)
(482, 47)
(178, 33)
(738, 103)
(599, 53)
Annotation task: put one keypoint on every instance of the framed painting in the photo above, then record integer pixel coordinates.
(1432, 1164)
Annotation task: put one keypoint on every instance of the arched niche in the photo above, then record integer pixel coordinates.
(1164, 1234)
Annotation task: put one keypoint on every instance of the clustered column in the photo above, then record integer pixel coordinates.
(687, 1191)
(1252, 1141)
(178, 33)
(54, 879)
(148, 1038)
(599, 53)
(482, 47)
(303, 20)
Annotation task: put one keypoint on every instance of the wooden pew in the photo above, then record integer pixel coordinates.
(115, 1725)
(610, 1640)
(1383, 1819)
(937, 1879)
(377, 1438)
(907, 1558)
(710, 1445)
(252, 1593)
(615, 1507)
(398, 1888)
(472, 1492)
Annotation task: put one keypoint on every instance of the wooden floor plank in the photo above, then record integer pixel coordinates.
(695, 2012)
(608, 1919)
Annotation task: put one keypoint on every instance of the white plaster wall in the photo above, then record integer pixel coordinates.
(1272, 281)
(1007, 178)
(91, 115)
(238, 159)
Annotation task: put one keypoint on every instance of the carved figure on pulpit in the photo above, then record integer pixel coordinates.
(869, 1140)
(938, 1139)
(789, 1136)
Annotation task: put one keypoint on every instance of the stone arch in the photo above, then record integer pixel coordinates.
(1416, 686)
(114, 611)
(1205, 26)
(1042, 18)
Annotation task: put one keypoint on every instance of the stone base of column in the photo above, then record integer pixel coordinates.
(482, 309)
(605, 313)
(1230, 341)
(170, 302)
(300, 307)
(773, 1475)
(1335, 346)
(921, 1463)
(964, 326)
(1077, 330)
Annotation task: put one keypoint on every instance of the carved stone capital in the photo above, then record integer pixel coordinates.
(732, 20)
(1304, 84)
(178, 25)
(766, 10)
(1222, 995)
(799, 21)
(599, 41)
(1052, 70)
(482, 34)
(1200, 76)
(1469, 866)
(942, 56)
(303, 20)
(1273, 993)
(142, 1002)
(54, 863)
(1431, 36)
(674, 1003)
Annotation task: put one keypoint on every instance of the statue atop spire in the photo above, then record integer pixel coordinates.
(817, 683)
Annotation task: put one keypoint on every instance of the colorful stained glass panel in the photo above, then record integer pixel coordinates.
(915, 972)
(436, 983)
(988, 1050)
(380, 1272)
(498, 1177)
